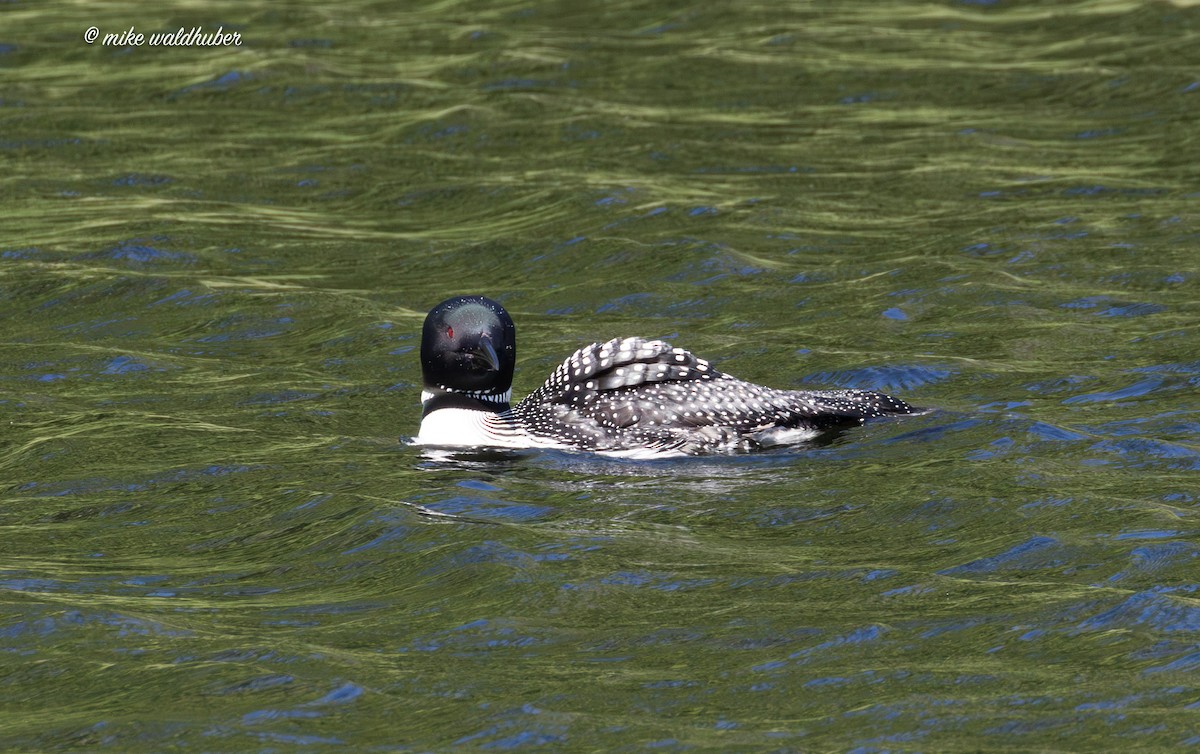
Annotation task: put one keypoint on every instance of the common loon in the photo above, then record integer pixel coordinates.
(628, 397)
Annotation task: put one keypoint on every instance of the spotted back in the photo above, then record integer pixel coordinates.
(621, 362)
(635, 393)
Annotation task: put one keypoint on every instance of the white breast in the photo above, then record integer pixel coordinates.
(456, 427)
(467, 428)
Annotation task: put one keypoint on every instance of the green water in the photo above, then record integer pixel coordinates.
(214, 263)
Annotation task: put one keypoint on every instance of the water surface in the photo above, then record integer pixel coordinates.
(213, 269)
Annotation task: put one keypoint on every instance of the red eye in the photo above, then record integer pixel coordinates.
(449, 332)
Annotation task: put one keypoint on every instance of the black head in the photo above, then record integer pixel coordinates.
(469, 345)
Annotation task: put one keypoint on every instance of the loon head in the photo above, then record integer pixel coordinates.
(469, 347)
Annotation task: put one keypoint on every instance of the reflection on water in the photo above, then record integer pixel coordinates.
(214, 271)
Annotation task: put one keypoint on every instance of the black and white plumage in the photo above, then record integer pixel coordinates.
(628, 396)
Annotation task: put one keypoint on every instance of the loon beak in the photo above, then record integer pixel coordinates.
(486, 353)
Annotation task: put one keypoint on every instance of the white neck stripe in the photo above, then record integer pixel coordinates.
(504, 397)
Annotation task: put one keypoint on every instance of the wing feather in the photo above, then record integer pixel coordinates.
(631, 392)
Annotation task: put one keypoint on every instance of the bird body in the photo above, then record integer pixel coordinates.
(628, 396)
